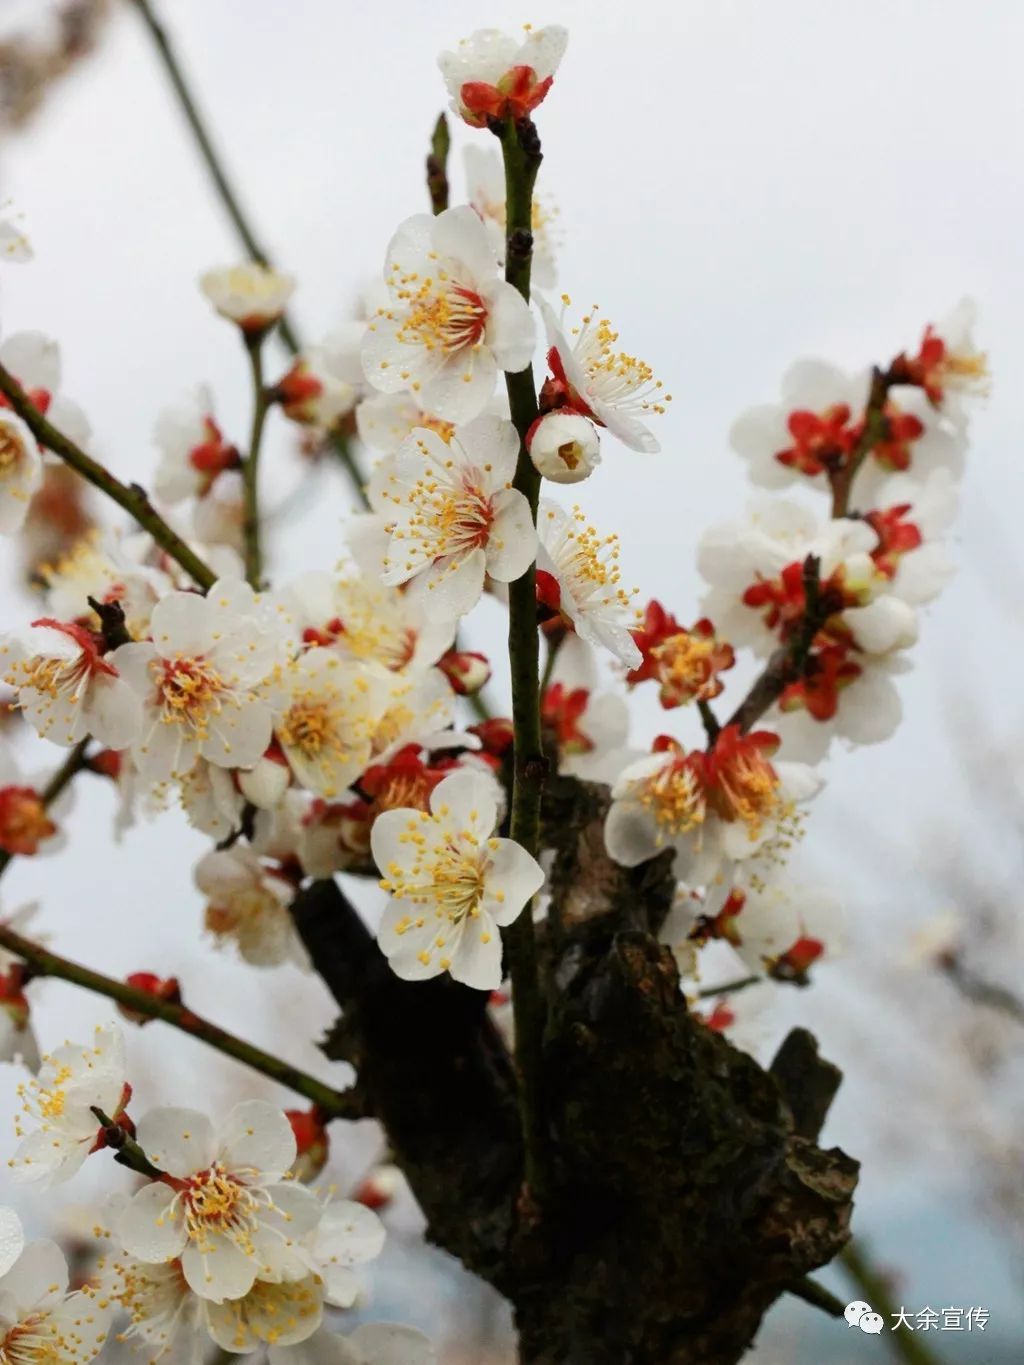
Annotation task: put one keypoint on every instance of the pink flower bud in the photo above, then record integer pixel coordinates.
(467, 672)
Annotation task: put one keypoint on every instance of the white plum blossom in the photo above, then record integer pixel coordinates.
(363, 620)
(40, 1322)
(108, 569)
(14, 243)
(485, 191)
(492, 74)
(384, 420)
(248, 902)
(584, 565)
(564, 447)
(28, 825)
(225, 1208)
(315, 391)
(456, 517)
(252, 295)
(949, 365)
(452, 322)
(728, 804)
(34, 360)
(193, 452)
(754, 568)
(774, 924)
(451, 884)
(211, 798)
(421, 711)
(594, 379)
(199, 680)
(66, 688)
(330, 709)
(375, 1343)
(809, 428)
(57, 1128)
(21, 471)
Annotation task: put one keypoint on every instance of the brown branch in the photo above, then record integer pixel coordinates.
(787, 664)
(43, 962)
(981, 992)
(133, 498)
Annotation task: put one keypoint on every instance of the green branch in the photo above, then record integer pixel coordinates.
(43, 962)
(251, 528)
(905, 1342)
(522, 157)
(131, 497)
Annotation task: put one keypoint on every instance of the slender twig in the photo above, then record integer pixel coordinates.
(787, 664)
(522, 157)
(551, 658)
(817, 1296)
(982, 992)
(43, 962)
(214, 164)
(729, 988)
(74, 763)
(131, 497)
(437, 165)
(875, 424)
(126, 1150)
(905, 1342)
(709, 721)
(250, 468)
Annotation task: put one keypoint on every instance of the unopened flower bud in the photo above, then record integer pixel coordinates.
(310, 394)
(379, 1188)
(252, 295)
(467, 672)
(564, 447)
(167, 989)
(495, 734)
(312, 1143)
(266, 783)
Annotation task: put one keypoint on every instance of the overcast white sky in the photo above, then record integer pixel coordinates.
(740, 184)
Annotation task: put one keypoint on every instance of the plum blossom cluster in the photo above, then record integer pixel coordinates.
(222, 1245)
(320, 724)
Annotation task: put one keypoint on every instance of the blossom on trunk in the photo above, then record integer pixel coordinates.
(40, 1322)
(451, 884)
(724, 804)
(66, 688)
(578, 576)
(591, 377)
(57, 1128)
(200, 679)
(451, 323)
(252, 295)
(193, 451)
(457, 518)
(21, 471)
(493, 75)
(775, 925)
(224, 1207)
(248, 902)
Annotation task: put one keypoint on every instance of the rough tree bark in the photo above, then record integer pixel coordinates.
(685, 1191)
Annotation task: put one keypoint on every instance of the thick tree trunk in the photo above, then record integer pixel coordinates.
(685, 1191)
